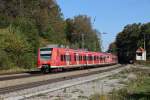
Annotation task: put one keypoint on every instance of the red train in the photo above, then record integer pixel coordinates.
(50, 58)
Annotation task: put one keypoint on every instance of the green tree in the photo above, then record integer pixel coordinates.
(79, 30)
(130, 39)
(26, 25)
(112, 48)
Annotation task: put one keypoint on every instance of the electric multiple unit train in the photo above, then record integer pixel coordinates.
(63, 58)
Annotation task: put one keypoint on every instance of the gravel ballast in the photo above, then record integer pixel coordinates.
(84, 83)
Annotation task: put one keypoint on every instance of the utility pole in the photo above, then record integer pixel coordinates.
(144, 43)
(82, 41)
(143, 53)
(144, 48)
(21, 8)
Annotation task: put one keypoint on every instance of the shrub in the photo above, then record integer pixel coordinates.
(16, 49)
(5, 62)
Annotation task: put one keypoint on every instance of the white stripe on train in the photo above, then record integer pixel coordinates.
(72, 66)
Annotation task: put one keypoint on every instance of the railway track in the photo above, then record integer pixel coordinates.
(5, 77)
(11, 76)
(9, 89)
(17, 76)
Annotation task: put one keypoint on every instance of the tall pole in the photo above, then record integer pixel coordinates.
(82, 41)
(21, 8)
(144, 42)
(144, 48)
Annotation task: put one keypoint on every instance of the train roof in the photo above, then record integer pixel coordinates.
(78, 50)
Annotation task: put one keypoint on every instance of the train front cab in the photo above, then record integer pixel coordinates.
(44, 59)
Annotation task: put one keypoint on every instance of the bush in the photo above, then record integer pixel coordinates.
(16, 50)
(27, 28)
(5, 62)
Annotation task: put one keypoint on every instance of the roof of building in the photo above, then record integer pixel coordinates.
(140, 49)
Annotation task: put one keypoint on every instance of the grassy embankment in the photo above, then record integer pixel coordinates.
(137, 89)
(15, 70)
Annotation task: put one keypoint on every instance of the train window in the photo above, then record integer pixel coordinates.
(46, 49)
(87, 57)
(84, 57)
(104, 58)
(81, 58)
(45, 56)
(101, 58)
(70, 57)
(97, 58)
(61, 57)
(91, 58)
(94, 57)
(64, 57)
(75, 58)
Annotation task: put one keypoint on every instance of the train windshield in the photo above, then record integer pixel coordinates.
(46, 53)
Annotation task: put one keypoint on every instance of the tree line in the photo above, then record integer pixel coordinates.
(26, 25)
(129, 40)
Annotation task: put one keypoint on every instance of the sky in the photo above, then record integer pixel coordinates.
(110, 15)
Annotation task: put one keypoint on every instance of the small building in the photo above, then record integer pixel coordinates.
(141, 54)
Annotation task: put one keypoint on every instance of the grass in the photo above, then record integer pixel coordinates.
(144, 87)
(14, 70)
(97, 96)
(138, 89)
(144, 63)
